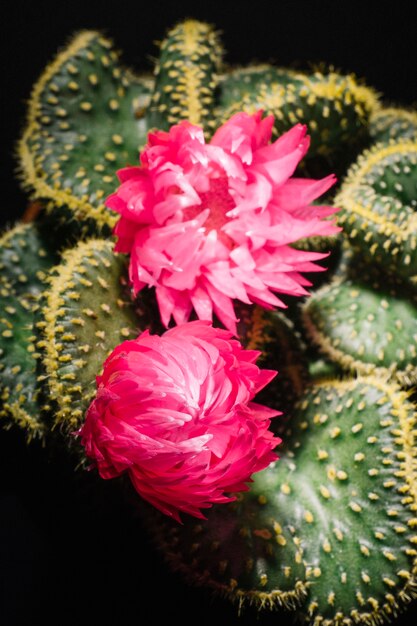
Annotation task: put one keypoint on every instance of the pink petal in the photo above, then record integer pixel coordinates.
(206, 224)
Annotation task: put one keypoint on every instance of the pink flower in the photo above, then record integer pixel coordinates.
(175, 412)
(209, 223)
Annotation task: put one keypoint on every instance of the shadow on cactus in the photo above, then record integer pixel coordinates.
(148, 345)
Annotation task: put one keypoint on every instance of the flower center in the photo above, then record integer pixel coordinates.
(219, 201)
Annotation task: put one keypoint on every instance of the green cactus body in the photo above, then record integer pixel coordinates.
(351, 265)
(86, 313)
(335, 108)
(318, 521)
(378, 199)
(24, 259)
(186, 76)
(392, 123)
(365, 327)
(329, 530)
(243, 81)
(241, 552)
(85, 121)
(19, 392)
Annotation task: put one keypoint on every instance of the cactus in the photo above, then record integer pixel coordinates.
(378, 198)
(388, 123)
(85, 120)
(237, 83)
(86, 312)
(328, 531)
(24, 259)
(186, 76)
(315, 531)
(365, 328)
(336, 109)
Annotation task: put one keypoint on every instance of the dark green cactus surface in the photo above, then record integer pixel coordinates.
(329, 531)
(18, 388)
(330, 527)
(186, 76)
(389, 123)
(24, 259)
(86, 313)
(379, 198)
(85, 121)
(321, 368)
(239, 82)
(365, 327)
(335, 108)
(26, 255)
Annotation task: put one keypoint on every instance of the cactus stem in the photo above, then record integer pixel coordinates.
(186, 75)
(53, 311)
(27, 164)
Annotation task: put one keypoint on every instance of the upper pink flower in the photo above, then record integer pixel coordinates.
(209, 223)
(176, 413)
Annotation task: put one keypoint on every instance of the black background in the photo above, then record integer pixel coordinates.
(72, 554)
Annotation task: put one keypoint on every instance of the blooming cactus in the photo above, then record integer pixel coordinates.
(219, 221)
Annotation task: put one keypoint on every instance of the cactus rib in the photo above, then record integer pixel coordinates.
(378, 198)
(87, 311)
(365, 328)
(242, 82)
(186, 76)
(67, 156)
(24, 261)
(335, 108)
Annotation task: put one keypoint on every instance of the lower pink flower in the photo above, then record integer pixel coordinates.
(210, 223)
(175, 412)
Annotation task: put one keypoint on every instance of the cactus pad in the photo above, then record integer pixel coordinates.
(365, 327)
(24, 259)
(87, 312)
(186, 76)
(333, 519)
(84, 123)
(379, 198)
(18, 389)
(244, 81)
(335, 108)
